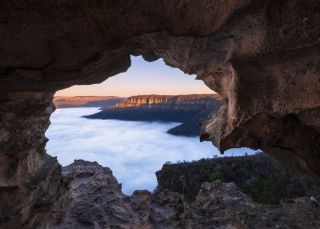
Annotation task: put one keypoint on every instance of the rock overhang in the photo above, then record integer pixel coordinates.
(262, 57)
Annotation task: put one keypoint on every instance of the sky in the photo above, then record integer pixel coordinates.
(143, 78)
(134, 151)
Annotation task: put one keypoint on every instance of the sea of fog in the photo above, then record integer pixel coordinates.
(134, 151)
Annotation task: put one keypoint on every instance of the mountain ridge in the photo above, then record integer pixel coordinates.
(85, 101)
(186, 109)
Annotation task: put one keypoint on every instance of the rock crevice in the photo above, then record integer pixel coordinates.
(91, 198)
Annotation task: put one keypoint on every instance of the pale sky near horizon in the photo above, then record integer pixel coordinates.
(142, 78)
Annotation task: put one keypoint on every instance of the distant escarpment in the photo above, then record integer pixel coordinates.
(187, 109)
(259, 176)
(85, 101)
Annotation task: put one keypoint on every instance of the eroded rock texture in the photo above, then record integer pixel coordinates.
(92, 198)
(261, 56)
(26, 171)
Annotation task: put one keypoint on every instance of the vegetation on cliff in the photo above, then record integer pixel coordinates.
(191, 127)
(259, 175)
(187, 109)
(85, 101)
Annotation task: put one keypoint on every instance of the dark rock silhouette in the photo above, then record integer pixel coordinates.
(261, 56)
(88, 196)
(188, 109)
(260, 176)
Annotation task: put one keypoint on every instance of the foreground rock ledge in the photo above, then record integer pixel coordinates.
(90, 197)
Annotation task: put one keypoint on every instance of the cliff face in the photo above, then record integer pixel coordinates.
(85, 101)
(191, 110)
(184, 102)
(262, 57)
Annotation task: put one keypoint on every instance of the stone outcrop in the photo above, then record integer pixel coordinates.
(26, 172)
(85, 101)
(174, 108)
(91, 198)
(23, 121)
(261, 56)
(190, 110)
(185, 102)
(259, 175)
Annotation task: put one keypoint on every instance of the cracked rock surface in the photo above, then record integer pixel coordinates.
(91, 198)
(262, 57)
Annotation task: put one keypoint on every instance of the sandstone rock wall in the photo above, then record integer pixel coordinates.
(261, 56)
(185, 102)
(85, 101)
(92, 198)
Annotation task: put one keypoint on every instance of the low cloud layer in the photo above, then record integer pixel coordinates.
(133, 150)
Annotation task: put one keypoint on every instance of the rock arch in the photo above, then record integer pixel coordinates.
(261, 56)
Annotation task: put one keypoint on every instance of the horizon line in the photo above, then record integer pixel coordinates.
(213, 93)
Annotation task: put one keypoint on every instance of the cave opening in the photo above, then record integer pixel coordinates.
(135, 122)
(261, 56)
